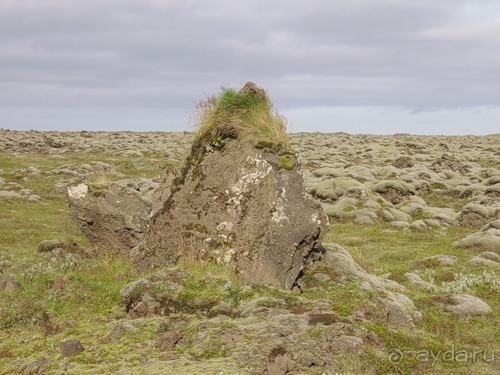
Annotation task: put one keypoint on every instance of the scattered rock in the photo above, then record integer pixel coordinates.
(464, 304)
(111, 216)
(489, 239)
(490, 256)
(168, 340)
(169, 356)
(334, 188)
(477, 215)
(487, 258)
(8, 284)
(448, 161)
(10, 195)
(416, 281)
(280, 366)
(441, 260)
(71, 348)
(395, 191)
(49, 245)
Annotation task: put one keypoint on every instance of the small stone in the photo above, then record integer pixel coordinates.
(490, 255)
(8, 284)
(49, 245)
(416, 281)
(10, 194)
(442, 260)
(71, 348)
(480, 261)
(168, 340)
(169, 356)
(32, 170)
(280, 366)
(400, 224)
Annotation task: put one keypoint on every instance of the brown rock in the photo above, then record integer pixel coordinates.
(71, 348)
(237, 206)
(112, 216)
(168, 340)
(169, 356)
(8, 284)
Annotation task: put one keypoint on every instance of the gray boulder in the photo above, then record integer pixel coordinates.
(395, 191)
(489, 239)
(334, 188)
(464, 304)
(416, 282)
(237, 205)
(49, 245)
(441, 260)
(111, 216)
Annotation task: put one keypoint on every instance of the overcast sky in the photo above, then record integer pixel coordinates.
(358, 66)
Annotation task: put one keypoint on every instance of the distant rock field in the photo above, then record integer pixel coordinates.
(413, 182)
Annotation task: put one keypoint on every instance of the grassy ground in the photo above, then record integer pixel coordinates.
(381, 249)
(73, 298)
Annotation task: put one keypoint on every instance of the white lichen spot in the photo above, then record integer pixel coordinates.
(225, 226)
(260, 169)
(315, 218)
(79, 191)
(207, 240)
(228, 255)
(279, 209)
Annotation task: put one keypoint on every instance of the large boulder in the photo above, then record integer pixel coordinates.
(237, 205)
(239, 200)
(111, 216)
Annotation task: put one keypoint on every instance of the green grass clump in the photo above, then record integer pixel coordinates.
(287, 163)
(247, 115)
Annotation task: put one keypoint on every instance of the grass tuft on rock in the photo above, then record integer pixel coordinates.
(247, 115)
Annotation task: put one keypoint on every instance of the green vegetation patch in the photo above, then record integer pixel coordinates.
(287, 163)
(247, 115)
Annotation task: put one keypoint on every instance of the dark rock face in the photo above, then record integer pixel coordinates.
(241, 206)
(113, 216)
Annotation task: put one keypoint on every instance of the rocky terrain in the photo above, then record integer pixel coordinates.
(408, 268)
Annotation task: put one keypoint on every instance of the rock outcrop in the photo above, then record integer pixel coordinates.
(237, 201)
(237, 205)
(111, 216)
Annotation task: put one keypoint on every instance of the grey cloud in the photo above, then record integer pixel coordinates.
(168, 54)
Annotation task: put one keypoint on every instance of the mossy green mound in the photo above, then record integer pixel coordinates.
(247, 115)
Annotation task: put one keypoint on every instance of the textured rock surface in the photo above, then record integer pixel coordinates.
(237, 205)
(464, 304)
(71, 348)
(111, 216)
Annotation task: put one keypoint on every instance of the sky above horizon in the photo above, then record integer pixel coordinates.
(356, 66)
